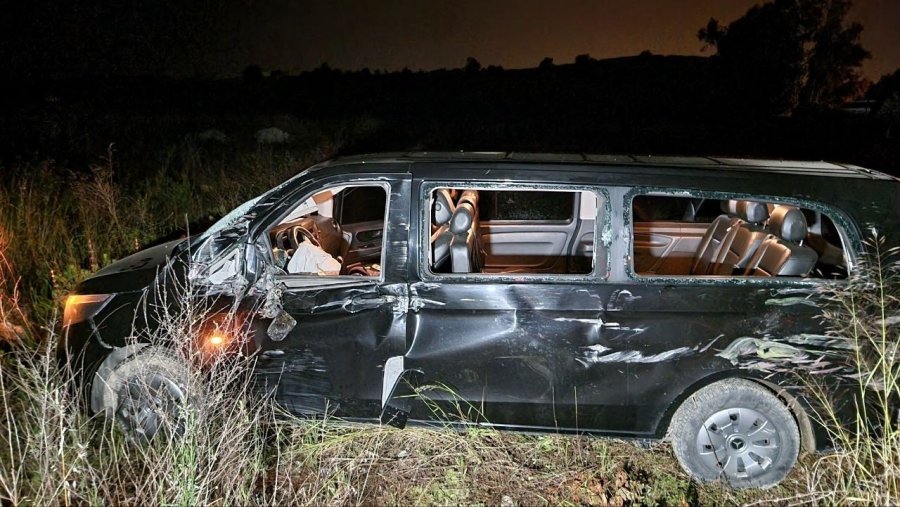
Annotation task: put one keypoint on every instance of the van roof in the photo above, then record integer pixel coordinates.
(811, 168)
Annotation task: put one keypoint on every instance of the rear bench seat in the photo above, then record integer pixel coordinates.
(782, 252)
(743, 239)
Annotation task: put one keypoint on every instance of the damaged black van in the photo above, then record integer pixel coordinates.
(631, 296)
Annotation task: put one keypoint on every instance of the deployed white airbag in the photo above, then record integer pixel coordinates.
(310, 259)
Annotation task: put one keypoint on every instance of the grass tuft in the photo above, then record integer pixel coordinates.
(865, 311)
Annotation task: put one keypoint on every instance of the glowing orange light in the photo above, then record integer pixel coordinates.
(216, 340)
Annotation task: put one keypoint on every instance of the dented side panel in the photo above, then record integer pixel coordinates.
(520, 354)
(686, 328)
(602, 354)
(332, 360)
(602, 357)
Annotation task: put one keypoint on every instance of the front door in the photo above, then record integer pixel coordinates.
(343, 303)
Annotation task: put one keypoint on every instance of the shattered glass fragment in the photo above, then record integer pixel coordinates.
(281, 325)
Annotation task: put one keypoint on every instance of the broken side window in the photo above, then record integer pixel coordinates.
(697, 236)
(513, 231)
(496, 206)
(337, 231)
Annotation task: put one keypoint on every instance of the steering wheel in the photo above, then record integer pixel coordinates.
(301, 234)
(355, 269)
(283, 240)
(358, 270)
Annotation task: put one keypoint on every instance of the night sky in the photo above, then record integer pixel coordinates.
(221, 37)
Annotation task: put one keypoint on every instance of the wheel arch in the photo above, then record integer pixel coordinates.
(801, 417)
(794, 405)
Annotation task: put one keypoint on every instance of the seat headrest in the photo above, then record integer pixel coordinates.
(752, 211)
(469, 196)
(788, 223)
(730, 206)
(462, 220)
(443, 207)
(748, 211)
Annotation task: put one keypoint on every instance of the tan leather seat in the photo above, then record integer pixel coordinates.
(743, 239)
(782, 252)
(711, 243)
(462, 244)
(441, 236)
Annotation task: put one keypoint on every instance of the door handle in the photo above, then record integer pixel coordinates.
(272, 354)
(393, 295)
(372, 298)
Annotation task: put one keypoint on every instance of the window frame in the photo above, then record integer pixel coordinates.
(602, 233)
(846, 229)
(298, 280)
(339, 210)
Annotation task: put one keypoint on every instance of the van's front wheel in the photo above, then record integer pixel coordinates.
(736, 430)
(149, 394)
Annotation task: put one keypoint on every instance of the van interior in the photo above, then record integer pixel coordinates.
(339, 231)
(336, 232)
(494, 231)
(688, 236)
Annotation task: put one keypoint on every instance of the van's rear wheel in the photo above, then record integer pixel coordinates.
(738, 431)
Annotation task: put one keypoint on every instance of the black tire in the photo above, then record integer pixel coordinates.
(148, 395)
(738, 431)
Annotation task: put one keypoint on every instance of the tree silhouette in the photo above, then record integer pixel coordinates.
(886, 93)
(789, 53)
(832, 69)
(252, 75)
(886, 87)
(472, 65)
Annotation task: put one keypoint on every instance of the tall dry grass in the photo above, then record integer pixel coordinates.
(237, 448)
(56, 227)
(61, 224)
(864, 312)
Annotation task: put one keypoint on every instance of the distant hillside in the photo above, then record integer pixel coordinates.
(618, 83)
(645, 104)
